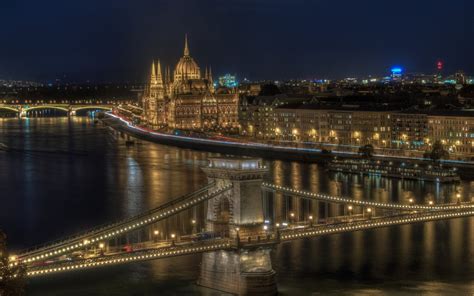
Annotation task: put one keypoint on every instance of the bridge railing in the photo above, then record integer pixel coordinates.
(107, 231)
(338, 199)
(369, 223)
(127, 257)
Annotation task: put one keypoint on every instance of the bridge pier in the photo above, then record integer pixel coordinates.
(238, 214)
(241, 272)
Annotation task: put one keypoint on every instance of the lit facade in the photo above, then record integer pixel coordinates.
(185, 99)
(456, 133)
(396, 133)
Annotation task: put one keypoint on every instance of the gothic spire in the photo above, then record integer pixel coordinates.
(210, 74)
(205, 74)
(159, 77)
(186, 47)
(153, 72)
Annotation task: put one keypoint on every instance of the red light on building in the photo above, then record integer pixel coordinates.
(439, 65)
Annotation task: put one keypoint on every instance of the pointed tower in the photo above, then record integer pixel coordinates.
(153, 73)
(186, 47)
(153, 82)
(159, 77)
(206, 74)
(211, 82)
(160, 89)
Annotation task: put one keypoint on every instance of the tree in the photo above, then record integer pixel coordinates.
(12, 278)
(437, 152)
(366, 151)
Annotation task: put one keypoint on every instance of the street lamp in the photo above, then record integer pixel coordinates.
(369, 212)
(310, 220)
(155, 235)
(410, 200)
(430, 202)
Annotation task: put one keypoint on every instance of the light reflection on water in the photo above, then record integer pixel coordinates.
(68, 174)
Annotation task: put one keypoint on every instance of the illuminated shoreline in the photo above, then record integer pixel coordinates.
(252, 148)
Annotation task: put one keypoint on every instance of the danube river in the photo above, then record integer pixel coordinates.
(63, 175)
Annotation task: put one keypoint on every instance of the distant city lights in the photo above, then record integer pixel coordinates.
(228, 80)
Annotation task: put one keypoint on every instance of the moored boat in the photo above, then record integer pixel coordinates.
(394, 169)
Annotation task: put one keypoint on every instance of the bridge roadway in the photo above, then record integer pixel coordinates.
(106, 232)
(274, 237)
(363, 203)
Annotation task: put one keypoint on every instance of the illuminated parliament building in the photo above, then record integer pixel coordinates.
(188, 100)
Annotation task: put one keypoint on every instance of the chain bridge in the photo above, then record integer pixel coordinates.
(238, 236)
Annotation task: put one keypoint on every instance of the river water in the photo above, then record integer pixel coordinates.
(63, 175)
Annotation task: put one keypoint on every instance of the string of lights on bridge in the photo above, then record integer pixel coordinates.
(73, 244)
(225, 244)
(152, 254)
(366, 224)
(325, 197)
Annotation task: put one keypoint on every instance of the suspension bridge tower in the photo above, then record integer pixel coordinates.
(238, 214)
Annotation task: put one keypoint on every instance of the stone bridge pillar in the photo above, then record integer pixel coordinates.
(237, 214)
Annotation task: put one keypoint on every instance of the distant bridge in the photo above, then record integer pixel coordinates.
(238, 239)
(25, 110)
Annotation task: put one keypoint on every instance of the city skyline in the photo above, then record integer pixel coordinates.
(260, 40)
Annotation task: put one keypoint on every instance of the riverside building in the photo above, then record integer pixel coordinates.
(186, 99)
(347, 127)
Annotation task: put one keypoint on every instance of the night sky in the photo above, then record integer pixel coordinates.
(115, 40)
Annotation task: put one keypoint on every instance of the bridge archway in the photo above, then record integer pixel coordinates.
(89, 110)
(6, 111)
(223, 216)
(46, 111)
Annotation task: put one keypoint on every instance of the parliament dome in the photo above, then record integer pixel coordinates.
(186, 68)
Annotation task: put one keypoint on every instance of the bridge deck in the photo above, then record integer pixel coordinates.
(350, 201)
(121, 227)
(271, 240)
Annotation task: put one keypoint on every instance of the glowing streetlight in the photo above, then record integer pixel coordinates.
(410, 200)
(292, 215)
(193, 221)
(310, 217)
(173, 236)
(369, 210)
(265, 227)
(277, 225)
(101, 245)
(156, 232)
(430, 202)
